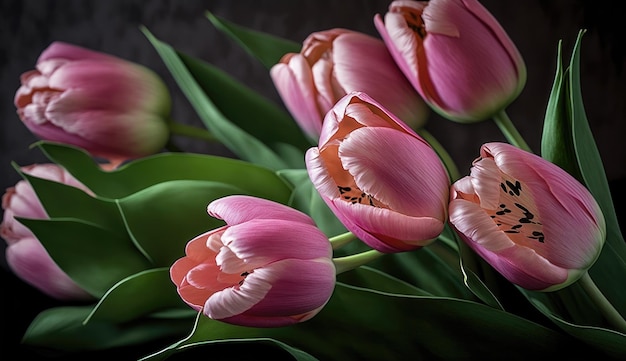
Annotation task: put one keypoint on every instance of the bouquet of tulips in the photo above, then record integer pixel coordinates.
(341, 229)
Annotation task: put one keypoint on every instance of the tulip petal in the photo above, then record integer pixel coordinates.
(294, 83)
(397, 170)
(240, 208)
(30, 261)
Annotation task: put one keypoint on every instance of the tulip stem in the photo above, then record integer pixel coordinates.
(453, 171)
(191, 131)
(607, 309)
(507, 128)
(341, 240)
(347, 263)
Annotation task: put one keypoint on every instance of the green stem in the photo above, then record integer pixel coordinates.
(606, 308)
(191, 131)
(342, 239)
(453, 171)
(507, 128)
(347, 263)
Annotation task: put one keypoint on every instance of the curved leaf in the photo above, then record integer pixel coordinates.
(145, 172)
(164, 217)
(92, 256)
(268, 49)
(135, 296)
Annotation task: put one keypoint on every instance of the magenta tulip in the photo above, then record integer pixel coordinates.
(335, 62)
(456, 55)
(382, 180)
(269, 266)
(25, 255)
(532, 221)
(112, 108)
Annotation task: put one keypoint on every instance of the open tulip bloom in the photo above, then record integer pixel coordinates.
(340, 228)
(531, 220)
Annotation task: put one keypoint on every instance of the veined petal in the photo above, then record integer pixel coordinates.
(241, 208)
(387, 230)
(472, 221)
(293, 80)
(398, 170)
(319, 175)
(232, 301)
(259, 242)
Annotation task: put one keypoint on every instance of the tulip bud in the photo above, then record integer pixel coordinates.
(532, 221)
(382, 180)
(456, 55)
(268, 267)
(335, 62)
(25, 255)
(112, 108)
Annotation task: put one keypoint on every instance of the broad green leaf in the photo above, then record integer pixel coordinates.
(92, 256)
(372, 325)
(268, 49)
(135, 296)
(164, 217)
(55, 198)
(145, 172)
(612, 343)
(62, 328)
(241, 143)
(242, 349)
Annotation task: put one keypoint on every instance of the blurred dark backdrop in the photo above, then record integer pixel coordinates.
(536, 26)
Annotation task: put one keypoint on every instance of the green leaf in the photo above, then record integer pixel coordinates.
(373, 325)
(93, 257)
(135, 296)
(259, 117)
(55, 197)
(268, 49)
(145, 172)
(62, 328)
(244, 145)
(164, 217)
(556, 139)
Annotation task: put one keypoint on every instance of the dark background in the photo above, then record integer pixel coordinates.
(29, 26)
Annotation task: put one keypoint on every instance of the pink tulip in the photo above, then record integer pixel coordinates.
(110, 107)
(456, 55)
(25, 255)
(335, 62)
(382, 180)
(532, 221)
(268, 267)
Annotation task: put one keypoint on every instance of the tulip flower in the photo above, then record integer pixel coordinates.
(25, 255)
(456, 55)
(335, 62)
(532, 221)
(269, 266)
(112, 108)
(382, 180)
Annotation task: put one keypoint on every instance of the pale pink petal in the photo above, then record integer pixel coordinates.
(240, 208)
(398, 170)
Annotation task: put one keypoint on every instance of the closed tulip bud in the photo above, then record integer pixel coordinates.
(269, 266)
(532, 221)
(25, 255)
(112, 108)
(382, 180)
(336, 62)
(456, 55)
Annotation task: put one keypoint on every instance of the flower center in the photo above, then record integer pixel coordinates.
(354, 195)
(517, 214)
(414, 21)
